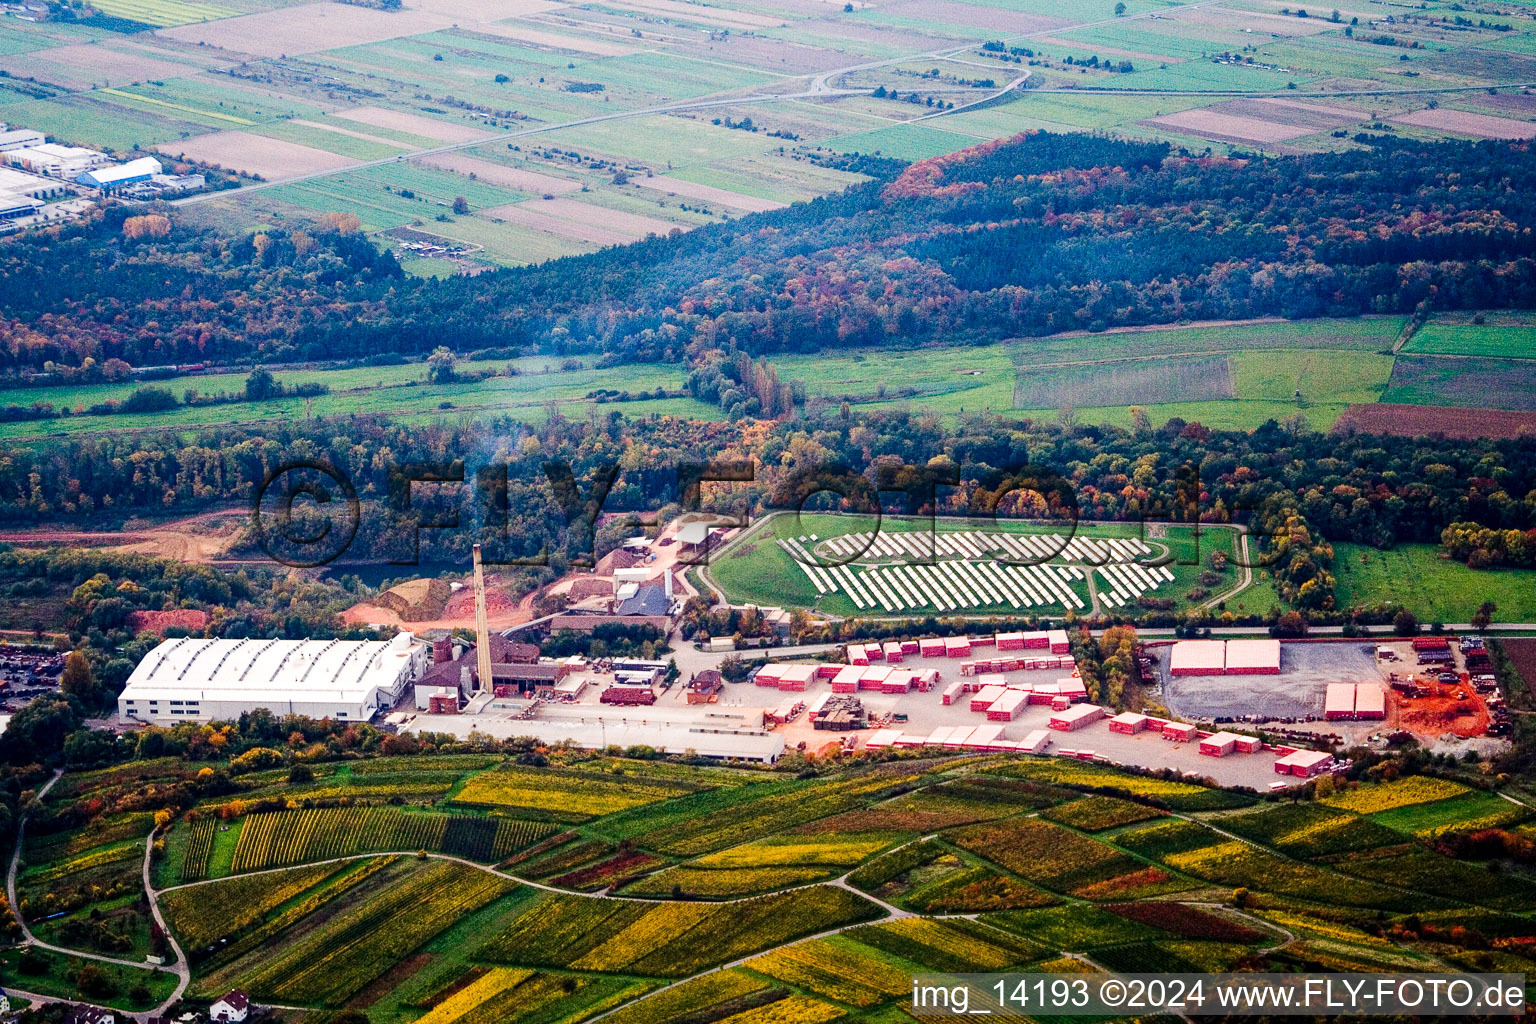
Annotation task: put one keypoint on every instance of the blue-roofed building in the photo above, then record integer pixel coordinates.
(107, 178)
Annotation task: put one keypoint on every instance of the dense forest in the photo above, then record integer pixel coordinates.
(1305, 489)
(1116, 233)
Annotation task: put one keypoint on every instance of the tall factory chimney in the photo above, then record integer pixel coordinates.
(482, 629)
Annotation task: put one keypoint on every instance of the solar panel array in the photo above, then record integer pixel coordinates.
(887, 571)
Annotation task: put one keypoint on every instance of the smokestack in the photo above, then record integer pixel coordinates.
(482, 629)
(442, 650)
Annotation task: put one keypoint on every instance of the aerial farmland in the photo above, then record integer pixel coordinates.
(764, 511)
(655, 117)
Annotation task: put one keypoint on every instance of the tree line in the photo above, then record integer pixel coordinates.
(1118, 233)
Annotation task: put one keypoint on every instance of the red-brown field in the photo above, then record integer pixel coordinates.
(1214, 124)
(1414, 420)
(1522, 651)
(254, 154)
(1461, 122)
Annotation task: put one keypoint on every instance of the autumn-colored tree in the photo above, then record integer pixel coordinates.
(78, 680)
(341, 223)
(440, 366)
(149, 225)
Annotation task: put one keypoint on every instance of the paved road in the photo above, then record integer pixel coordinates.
(179, 968)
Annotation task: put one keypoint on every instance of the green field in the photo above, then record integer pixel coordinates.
(393, 390)
(1503, 335)
(1179, 371)
(754, 569)
(474, 75)
(1434, 589)
(162, 13)
(58, 971)
(903, 142)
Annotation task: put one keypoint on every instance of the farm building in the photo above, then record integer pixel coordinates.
(1198, 658)
(1339, 702)
(1128, 722)
(204, 680)
(130, 173)
(1303, 763)
(1076, 717)
(1253, 657)
(230, 1008)
(694, 539)
(1219, 744)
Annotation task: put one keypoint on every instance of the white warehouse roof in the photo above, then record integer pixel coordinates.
(279, 671)
(143, 168)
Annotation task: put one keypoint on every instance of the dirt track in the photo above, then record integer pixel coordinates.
(199, 539)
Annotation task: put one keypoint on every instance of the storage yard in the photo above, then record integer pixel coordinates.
(994, 693)
(1196, 683)
(1009, 692)
(1433, 687)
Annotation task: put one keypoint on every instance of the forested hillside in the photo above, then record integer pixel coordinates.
(1036, 235)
